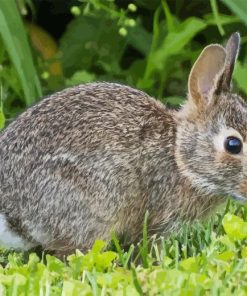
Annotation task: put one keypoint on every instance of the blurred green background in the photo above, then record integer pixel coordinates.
(47, 45)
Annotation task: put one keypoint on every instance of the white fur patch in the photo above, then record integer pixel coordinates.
(62, 156)
(219, 140)
(9, 239)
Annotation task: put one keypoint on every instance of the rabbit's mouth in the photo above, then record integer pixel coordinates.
(239, 197)
(240, 192)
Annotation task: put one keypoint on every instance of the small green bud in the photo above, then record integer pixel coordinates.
(45, 75)
(132, 7)
(123, 32)
(75, 10)
(131, 23)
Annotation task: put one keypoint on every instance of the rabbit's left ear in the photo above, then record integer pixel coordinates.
(212, 71)
(232, 49)
(205, 74)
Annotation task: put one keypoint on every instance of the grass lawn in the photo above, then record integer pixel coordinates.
(203, 259)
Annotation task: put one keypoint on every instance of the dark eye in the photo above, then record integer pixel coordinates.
(233, 145)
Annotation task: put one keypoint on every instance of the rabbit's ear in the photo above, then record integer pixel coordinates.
(205, 74)
(232, 49)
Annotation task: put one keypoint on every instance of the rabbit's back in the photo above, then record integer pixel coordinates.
(89, 114)
(75, 159)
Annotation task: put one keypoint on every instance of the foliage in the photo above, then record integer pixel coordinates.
(209, 258)
(16, 44)
(147, 44)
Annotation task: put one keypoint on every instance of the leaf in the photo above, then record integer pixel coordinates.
(224, 19)
(140, 39)
(234, 227)
(240, 76)
(89, 39)
(244, 252)
(98, 246)
(168, 16)
(2, 116)
(175, 41)
(238, 7)
(54, 264)
(190, 264)
(15, 40)
(167, 260)
(226, 256)
(103, 261)
(2, 120)
(74, 288)
(80, 77)
(174, 101)
(172, 45)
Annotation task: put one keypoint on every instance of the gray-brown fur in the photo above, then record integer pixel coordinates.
(92, 159)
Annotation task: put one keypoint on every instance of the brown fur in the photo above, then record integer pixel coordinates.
(92, 159)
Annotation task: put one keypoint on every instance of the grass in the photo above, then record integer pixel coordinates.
(146, 44)
(16, 42)
(202, 259)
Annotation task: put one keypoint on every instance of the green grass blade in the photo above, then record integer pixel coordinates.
(144, 247)
(171, 45)
(2, 117)
(239, 7)
(15, 40)
(128, 256)
(118, 248)
(136, 281)
(168, 16)
(217, 17)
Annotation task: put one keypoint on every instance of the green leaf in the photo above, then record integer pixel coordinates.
(2, 120)
(226, 256)
(140, 39)
(234, 227)
(224, 19)
(54, 264)
(15, 40)
(74, 288)
(173, 100)
(104, 260)
(168, 16)
(175, 41)
(80, 77)
(2, 117)
(173, 44)
(190, 264)
(240, 76)
(167, 260)
(89, 39)
(244, 252)
(238, 7)
(98, 246)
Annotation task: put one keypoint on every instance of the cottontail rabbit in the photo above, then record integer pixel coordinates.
(92, 159)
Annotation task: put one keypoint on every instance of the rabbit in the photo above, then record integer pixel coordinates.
(91, 160)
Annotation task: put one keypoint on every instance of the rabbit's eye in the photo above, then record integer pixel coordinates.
(233, 145)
